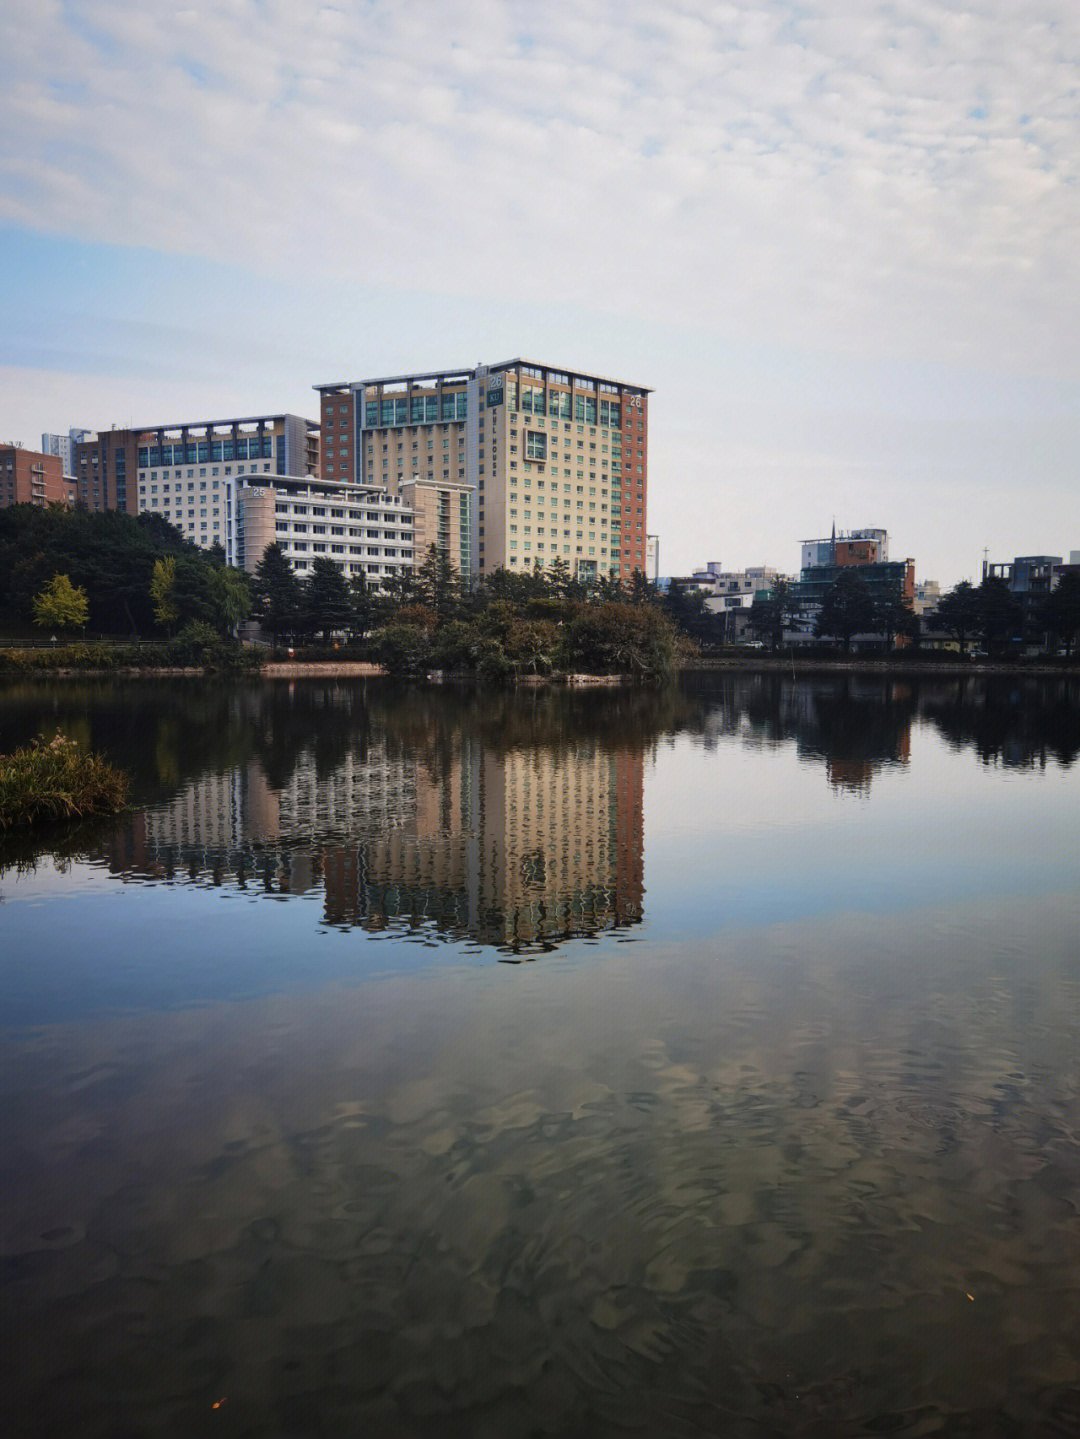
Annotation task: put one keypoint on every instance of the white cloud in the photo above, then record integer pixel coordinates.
(887, 192)
(880, 176)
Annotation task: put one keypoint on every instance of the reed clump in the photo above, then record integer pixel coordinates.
(55, 780)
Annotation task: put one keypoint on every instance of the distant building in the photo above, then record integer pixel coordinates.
(853, 547)
(732, 589)
(1031, 578)
(865, 551)
(442, 516)
(64, 447)
(652, 558)
(29, 477)
(927, 597)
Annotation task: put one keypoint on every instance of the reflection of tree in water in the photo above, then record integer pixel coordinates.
(161, 732)
(856, 724)
(1016, 722)
(400, 775)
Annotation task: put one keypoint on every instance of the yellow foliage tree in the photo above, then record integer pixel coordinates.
(61, 605)
(161, 587)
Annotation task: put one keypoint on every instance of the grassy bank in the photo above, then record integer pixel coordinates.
(56, 780)
(196, 647)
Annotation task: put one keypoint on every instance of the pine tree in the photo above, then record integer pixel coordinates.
(277, 593)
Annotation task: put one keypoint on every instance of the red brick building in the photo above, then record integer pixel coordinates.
(28, 477)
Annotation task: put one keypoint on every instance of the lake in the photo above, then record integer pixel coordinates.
(425, 1062)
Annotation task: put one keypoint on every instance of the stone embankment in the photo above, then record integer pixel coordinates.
(318, 669)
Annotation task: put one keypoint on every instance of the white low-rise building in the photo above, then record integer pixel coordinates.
(733, 589)
(364, 531)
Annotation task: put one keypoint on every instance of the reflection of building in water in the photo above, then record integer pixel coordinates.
(512, 849)
(358, 796)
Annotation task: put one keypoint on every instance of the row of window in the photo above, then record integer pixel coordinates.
(320, 547)
(415, 410)
(283, 527)
(214, 472)
(201, 452)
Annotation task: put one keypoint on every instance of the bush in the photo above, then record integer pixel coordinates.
(56, 780)
(402, 649)
(200, 644)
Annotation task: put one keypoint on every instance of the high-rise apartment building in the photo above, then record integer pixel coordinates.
(554, 462)
(63, 446)
(29, 477)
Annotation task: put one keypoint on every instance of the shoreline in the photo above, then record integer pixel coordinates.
(760, 664)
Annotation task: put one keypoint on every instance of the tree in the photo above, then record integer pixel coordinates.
(559, 576)
(958, 613)
(685, 606)
(1061, 609)
(61, 605)
(1000, 614)
(361, 603)
(277, 593)
(326, 606)
(619, 638)
(771, 611)
(162, 580)
(642, 589)
(895, 618)
(437, 584)
(192, 592)
(847, 609)
(231, 597)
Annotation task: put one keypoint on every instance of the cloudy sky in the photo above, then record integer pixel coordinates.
(839, 239)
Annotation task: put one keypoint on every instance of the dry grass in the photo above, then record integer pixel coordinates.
(55, 780)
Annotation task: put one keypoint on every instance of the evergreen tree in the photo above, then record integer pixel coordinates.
(772, 612)
(277, 593)
(958, 613)
(895, 618)
(847, 609)
(362, 605)
(1061, 609)
(437, 584)
(1000, 615)
(326, 606)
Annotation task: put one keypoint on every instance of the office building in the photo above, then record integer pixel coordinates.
(553, 463)
(850, 547)
(189, 473)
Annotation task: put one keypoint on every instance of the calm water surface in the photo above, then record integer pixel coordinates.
(416, 1063)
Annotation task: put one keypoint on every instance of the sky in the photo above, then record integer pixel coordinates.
(837, 239)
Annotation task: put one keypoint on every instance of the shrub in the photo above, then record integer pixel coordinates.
(57, 780)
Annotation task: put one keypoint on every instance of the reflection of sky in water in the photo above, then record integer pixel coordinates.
(745, 835)
(800, 1158)
(736, 834)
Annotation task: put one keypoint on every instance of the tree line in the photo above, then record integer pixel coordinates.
(72, 570)
(988, 614)
(112, 573)
(537, 621)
